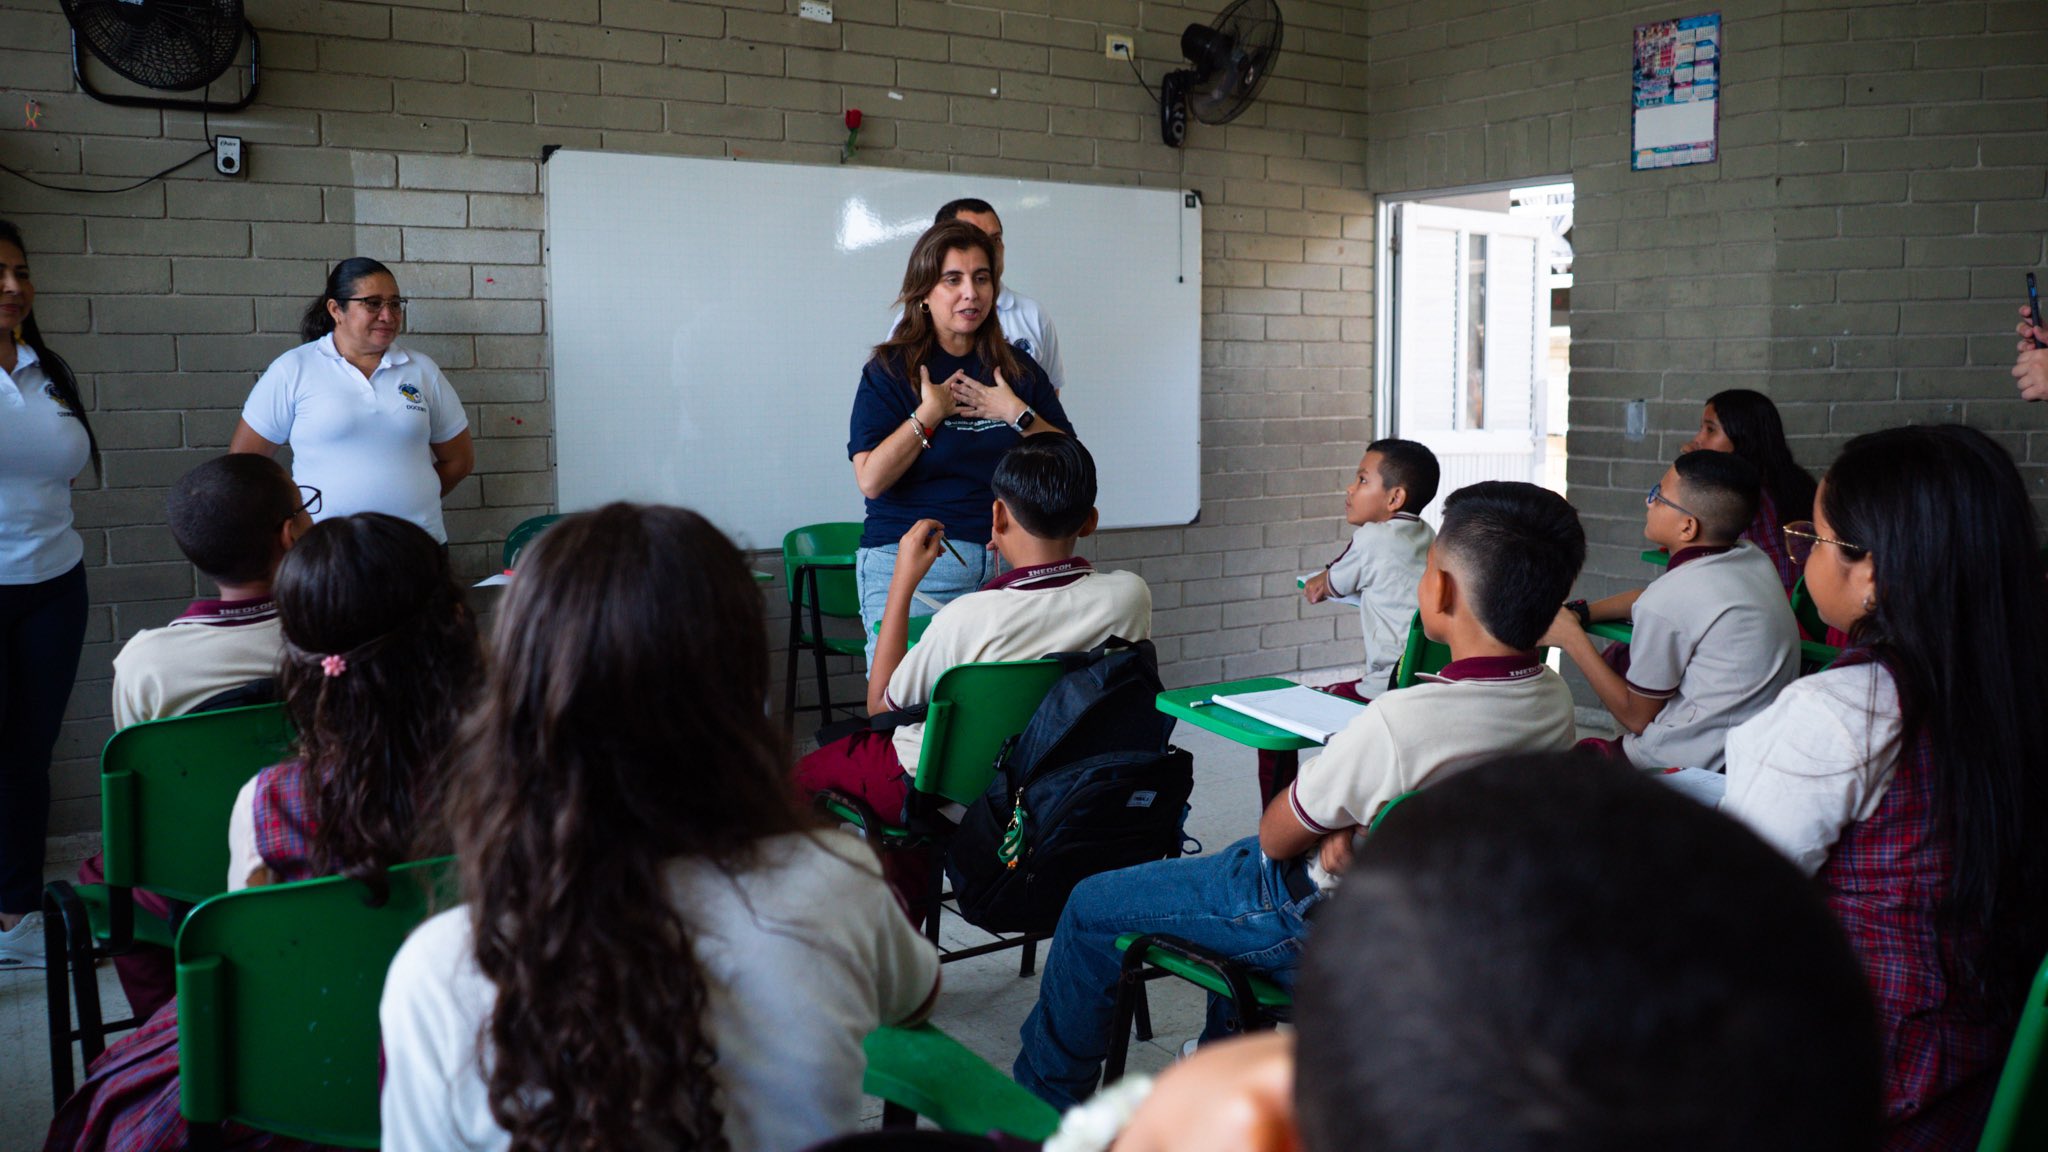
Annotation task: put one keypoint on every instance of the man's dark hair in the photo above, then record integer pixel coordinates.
(1518, 548)
(224, 515)
(1407, 464)
(1722, 489)
(1048, 484)
(953, 208)
(1556, 952)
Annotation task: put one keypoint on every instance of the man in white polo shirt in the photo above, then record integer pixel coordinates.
(1025, 325)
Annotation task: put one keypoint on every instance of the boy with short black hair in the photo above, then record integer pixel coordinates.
(1545, 952)
(1051, 600)
(234, 517)
(1714, 639)
(1506, 553)
(1382, 565)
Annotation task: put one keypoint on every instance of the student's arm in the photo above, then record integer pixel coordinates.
(1630, 709)
(878, 469)
(246, 439)
(1282, 835)
(915, 554)
(1235, 1095)
(454, 459)
(1615, 607)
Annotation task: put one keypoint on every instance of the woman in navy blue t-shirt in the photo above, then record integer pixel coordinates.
(939, 403)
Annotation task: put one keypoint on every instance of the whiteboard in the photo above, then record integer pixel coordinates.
(710, 320)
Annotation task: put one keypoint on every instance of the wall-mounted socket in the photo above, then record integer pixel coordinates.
(819, 10)
(1637, 414)
(227, 155)
(1118, 47)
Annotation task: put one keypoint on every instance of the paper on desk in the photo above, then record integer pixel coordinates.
(1307, 713)
(1302, 580)
(499, 580)
(1698, 783)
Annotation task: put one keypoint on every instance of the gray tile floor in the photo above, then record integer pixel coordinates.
(983, 1002)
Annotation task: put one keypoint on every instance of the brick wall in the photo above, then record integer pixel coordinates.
(1857, 252)
(411, 132)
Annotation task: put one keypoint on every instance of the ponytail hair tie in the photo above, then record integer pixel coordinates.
(332, 666)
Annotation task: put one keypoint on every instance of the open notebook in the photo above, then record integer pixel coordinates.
(1307, 713)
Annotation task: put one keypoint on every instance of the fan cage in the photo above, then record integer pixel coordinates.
(169, 45)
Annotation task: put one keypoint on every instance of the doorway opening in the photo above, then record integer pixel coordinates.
(1475, 324)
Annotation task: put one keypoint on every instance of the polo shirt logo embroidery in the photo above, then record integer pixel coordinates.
(64, 407)
(413, 400)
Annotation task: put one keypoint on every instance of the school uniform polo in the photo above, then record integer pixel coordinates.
(365, 442)
(213, 646)
(1068, 606)
(42, 447)
(1472, 711)
(1715, 639)
(1382, 566)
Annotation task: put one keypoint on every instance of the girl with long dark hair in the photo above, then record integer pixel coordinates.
(380, 660)
(1911, 778)
(939, 403)
(1746, 423)
(45, 442)
(373, 424)
(656, 950)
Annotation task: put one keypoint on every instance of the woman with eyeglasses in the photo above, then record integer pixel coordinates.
(1910, 779)
(45, 443)
(374, 425)
(1746, 423)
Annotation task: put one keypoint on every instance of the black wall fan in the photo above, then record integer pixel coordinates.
(169, 45)
(1232, 58)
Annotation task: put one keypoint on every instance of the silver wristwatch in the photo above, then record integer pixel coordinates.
(1025, 421)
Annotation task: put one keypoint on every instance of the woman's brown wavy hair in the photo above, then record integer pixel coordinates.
(621, 728)
(375, 591)
(915, 336)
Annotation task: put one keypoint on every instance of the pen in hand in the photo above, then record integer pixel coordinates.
(954, 552)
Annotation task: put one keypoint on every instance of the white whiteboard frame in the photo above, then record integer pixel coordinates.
(710, 319)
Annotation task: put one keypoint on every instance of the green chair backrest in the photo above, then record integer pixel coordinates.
(2019, 1110)
(1804, 611)
(523, 535)
(166, 788)
(934, 1075)
(974, 708)
(1420, 655)
(838, 594)
(277, 1002)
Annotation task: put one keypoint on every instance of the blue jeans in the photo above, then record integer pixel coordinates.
(874, 568)
(1233, 902)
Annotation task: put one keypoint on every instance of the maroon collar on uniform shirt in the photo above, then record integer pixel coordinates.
(1057, 574)
(229, 612)
(1696, 552)
(1496, 669)
(1407, 516)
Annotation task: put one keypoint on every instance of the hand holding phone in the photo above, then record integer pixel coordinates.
(2033, 310)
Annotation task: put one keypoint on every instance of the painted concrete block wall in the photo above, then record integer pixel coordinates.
(1856, 253)
(411, 131)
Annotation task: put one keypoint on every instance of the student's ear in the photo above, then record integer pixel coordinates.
(1088, 526)
(1691, 530)
(999, 521)
(1397, 498)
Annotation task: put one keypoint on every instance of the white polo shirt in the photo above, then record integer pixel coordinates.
(42, 446)
(214, 646)
(1716, 641)
(1382, 566)
(365, 443)
(1474, 710)
(1066, 606)
(1028, 329)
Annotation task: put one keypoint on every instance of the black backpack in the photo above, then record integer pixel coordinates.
(1091, 784)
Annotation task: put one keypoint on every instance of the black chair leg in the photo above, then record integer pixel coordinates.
(896, 1117)
(1128, 982)
(1143, 1021)
(818, 646)
(57, 987)
(789, 661)
(203, 1138)
(1029, 963)
(935, 900)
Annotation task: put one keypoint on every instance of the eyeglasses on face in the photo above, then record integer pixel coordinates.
(378, 304)
(1800, 538)
(1656, 496)
(309, 499)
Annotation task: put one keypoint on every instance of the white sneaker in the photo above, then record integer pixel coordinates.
(22, 945)
(1188, 1049)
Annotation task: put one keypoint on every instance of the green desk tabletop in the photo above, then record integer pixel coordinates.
(1657, 556)
(763, 578)
(917, 626)
(1234, 726)
(1810, 651)
(1620, 630)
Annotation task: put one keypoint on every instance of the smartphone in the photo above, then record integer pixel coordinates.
(2033, 307)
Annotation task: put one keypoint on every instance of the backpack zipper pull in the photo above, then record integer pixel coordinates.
(1012, 846)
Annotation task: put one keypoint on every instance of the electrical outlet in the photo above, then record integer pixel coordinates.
(819, 10)
(227, 155)
(1118, 47)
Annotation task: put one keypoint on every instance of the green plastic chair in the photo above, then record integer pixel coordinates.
(817, 567)
(166, 789)
(921, 1071)
(2019, 1109)
(975, 709)
(1149, 956)
(1420, 655)
(277, 1003)
(523, 535)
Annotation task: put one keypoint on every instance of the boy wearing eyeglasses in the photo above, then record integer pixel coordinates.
(1714, 639)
